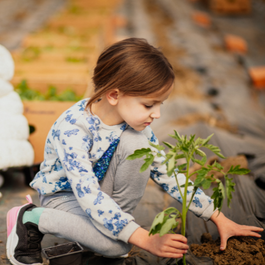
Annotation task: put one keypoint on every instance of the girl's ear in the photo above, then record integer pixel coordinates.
(113, 96)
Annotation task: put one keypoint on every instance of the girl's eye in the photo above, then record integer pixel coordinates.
(148, 107)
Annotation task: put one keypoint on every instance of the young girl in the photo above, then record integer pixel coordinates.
(87, 188)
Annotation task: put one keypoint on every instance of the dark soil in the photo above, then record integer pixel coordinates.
(239, 251)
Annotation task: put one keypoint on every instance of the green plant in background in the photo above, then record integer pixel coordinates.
(26, 93)
(76, 60)
(30, 53)
(189, 149)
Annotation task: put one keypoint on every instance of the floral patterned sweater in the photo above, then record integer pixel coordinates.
(78, 150)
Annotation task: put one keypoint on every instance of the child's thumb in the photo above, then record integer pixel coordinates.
(223, 244)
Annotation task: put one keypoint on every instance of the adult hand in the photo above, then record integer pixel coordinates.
(167, 246)
(227, 228)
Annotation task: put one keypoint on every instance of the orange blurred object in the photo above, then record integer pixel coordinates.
(41, 115)
(235, 44)
(257, 75)
(201, 18)
(234, 7)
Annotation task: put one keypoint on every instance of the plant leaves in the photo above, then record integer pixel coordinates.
(214, 149)
(200, 153)
(169, 145)
(218, 195)
(168, 225)
(200, 162)
(171, 166)
(201, 173)
(180, 167)
(148, 162)
(139, 153)
(237, 170)
(229, 185)
(158, 147)
(206, 184)
(204, 142)
(156, 225)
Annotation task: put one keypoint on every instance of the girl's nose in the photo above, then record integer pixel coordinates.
(156, 113)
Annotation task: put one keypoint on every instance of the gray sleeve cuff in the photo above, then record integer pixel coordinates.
(206, 215)
(127, 231)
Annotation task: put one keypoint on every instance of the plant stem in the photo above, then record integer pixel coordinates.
(184, 206)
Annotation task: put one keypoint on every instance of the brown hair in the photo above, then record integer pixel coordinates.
(133, 66)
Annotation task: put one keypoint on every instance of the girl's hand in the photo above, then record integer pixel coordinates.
(167, 246)
(228, 228)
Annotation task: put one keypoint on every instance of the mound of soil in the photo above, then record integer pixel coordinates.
(239, 251)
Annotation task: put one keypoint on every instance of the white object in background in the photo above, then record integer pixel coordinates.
(6, 87)
(7, 66)
(14, 126)
(11, 103)
(15, 153)
(15, 149)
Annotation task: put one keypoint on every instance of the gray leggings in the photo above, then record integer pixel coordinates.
(64, 218)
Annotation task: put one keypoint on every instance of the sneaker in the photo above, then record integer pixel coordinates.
(23, 240)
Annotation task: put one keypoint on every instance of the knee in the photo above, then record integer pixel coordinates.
(131, 140)
(115, 250)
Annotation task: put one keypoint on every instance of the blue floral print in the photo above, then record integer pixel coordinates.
(71, 132)
(108, 224)
(197, 202)
(100, 212)
(99, 198)
(56, 134)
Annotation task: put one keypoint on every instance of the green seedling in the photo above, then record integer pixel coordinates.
(189, 150)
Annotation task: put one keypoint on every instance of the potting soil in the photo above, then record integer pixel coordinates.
(240, 250)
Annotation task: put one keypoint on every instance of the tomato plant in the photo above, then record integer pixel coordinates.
(189, 149)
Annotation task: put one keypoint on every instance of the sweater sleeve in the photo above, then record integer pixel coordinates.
(201, 205)
(70, 143)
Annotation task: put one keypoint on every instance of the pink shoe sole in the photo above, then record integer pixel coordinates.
(11, 222)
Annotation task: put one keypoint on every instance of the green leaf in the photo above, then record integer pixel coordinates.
(204, 142)
(191, 140)
(189, 184)
(198, 141)
(171, 166)
(217, 165)
(168, 225)
(218, 195)
(214, 149)
(139, 153)
(220, 155)
(148, 162)
(206, 184)
(184, 149)
(201, 173)
(171, 210)
(169, 145)
(158, 147)
(200, 153)
(180, 167)
(200, 162)
(229, 185)
(237, 170)
(156, 225)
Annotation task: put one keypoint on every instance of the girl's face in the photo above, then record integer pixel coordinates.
(139, 112)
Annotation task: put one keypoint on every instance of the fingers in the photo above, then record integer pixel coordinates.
(250, 231)
(242, 230)
(171, 246)
(171, 252)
